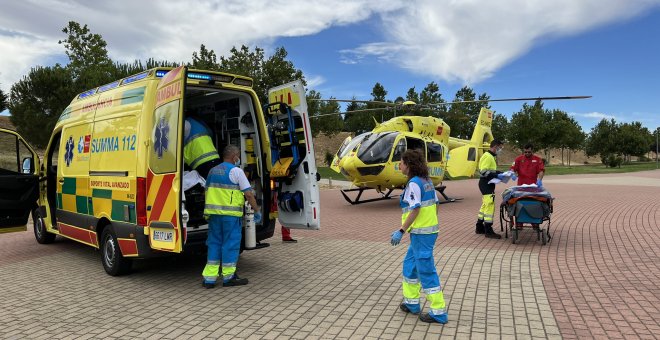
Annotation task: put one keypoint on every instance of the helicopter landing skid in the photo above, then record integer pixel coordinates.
(441, 191)
(361, 190)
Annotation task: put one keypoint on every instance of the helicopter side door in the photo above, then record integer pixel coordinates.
(19, 181)
(435, 160)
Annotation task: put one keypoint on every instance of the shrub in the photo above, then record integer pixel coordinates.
(613, 161)
(328, 157)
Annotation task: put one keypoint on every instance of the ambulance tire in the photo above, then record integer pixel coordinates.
(40, 233)
(114, 262)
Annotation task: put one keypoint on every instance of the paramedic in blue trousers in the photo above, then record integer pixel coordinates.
(420, 219)
(227, 187)
(487, 171)
(199, 153)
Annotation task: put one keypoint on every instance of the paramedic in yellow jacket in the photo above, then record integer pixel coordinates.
(199, 153)
(420, 218)
(487, 171)
(226, 191)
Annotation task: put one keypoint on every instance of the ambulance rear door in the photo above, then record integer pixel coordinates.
(19, 181)
(163, 183)
(298, 195)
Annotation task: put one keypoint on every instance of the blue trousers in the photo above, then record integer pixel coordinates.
(419, 274)
(224, 243)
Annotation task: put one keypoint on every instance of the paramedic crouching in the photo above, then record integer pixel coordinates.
(199, 153)
(226, 191)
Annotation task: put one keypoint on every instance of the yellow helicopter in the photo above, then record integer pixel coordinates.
(371, 160)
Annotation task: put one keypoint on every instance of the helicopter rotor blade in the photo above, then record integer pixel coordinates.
(510, 100)
(354, 101)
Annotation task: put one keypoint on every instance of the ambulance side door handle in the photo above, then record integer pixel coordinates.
(61, 180)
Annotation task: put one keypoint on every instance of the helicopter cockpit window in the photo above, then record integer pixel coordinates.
(376, 148)
(399, 150)
(434, 152)
(352, 144)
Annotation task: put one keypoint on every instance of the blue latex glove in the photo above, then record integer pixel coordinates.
(514, 177)
(501, 177)
(257, 217)
(396, 237)
(539, 183)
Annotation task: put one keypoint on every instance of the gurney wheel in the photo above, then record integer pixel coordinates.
(544, 237)
(514, 235)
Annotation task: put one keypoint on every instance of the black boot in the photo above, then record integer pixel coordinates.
(480, 227)
(235, 281)
(490, 233)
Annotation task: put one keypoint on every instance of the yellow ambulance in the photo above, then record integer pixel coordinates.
(112, 176)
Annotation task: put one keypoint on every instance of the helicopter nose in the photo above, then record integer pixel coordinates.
(348, 167)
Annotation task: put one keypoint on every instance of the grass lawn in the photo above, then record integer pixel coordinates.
(593, 168)
(326, 172)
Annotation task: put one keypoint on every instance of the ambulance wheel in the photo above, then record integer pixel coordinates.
(113, 261)
(40, 233)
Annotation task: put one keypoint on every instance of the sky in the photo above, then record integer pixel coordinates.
(508, 48)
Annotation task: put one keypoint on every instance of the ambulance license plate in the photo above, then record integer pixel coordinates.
(164, 236)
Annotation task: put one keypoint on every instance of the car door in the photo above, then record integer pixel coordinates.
(19, 181)
(299, 205)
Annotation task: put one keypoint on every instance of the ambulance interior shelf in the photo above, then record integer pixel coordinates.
(287, 140)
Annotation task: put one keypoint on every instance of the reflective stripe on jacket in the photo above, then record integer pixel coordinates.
(198, 147)
(222, 196)
(427, 219)
(488, 165)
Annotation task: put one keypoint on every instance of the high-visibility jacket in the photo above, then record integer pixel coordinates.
(222, 196)
(427, 220)
(198, 146)
(488, 166)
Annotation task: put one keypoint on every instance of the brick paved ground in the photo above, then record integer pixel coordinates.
(597, 278)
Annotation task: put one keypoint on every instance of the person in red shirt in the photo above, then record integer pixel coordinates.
(528, 167)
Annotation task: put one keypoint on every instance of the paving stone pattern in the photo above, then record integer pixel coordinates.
(597, 278)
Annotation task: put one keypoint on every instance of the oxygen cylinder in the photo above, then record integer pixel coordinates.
(250, 228)
(184, 218)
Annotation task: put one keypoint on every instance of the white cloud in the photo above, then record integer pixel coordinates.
(595, 115)
(169, 30)
(314, 81)
(452, 40)
(467, 41)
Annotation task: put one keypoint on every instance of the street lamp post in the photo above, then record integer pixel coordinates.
(657, 131)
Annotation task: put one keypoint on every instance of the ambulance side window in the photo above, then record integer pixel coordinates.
(9, 163)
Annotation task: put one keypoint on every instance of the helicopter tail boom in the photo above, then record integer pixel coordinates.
(464, 154)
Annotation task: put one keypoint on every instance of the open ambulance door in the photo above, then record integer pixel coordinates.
(292, 154)
(163, 182)
(19, 181)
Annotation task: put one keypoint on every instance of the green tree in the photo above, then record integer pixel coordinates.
(602, 140)
(37, 100)
(412, 95)
(205, 60)
(529, 126)
(431, 97)
(89, 63)
(278, 70)
(266, 73)
(3, 101)
(654, 143)
(500, 126)
(330, 124)
(634, 140)
(364, 121)
(463, 117)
